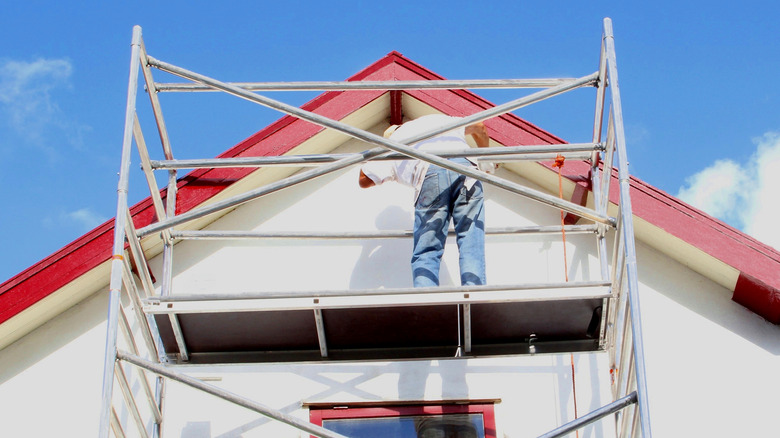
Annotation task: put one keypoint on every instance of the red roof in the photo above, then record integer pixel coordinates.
(759, 265)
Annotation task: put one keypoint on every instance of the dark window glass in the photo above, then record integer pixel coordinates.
(416, 426)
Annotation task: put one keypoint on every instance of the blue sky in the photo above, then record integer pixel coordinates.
(698, 81)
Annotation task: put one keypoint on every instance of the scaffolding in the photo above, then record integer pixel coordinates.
(619, 327)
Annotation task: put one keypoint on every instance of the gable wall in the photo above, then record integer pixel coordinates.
(50, 380)
(711, 363)
(539, 387)
(334, 203)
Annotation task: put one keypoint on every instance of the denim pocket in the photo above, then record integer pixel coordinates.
(429, 190)
(475, 192)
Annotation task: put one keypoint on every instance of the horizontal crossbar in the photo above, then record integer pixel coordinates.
(336, 299)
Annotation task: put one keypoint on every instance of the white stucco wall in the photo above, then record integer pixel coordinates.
(712, 365)
(535, 393)
(50, 380)
(336, 203)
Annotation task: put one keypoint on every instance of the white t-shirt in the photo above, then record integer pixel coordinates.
(412, 172)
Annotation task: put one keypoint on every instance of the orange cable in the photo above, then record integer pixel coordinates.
(559, 164)
(559, 160)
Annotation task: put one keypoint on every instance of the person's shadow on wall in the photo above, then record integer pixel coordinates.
(385, 262)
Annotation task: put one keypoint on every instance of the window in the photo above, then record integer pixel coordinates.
(422, 421)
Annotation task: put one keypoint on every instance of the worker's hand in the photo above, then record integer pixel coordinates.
(478, 132)
(364, 181)
(487, 167)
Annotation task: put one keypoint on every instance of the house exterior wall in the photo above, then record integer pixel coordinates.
(50, 380)
(336, 203)
(711, 363)
(533, 394)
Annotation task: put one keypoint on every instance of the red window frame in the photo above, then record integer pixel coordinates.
(318, 414)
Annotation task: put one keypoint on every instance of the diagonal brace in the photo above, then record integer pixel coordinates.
(368, 137)
(229, 396)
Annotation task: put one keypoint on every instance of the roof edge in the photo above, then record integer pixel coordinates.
(758, 297)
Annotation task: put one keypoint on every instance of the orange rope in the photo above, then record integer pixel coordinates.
(559, 160)
(559, 164)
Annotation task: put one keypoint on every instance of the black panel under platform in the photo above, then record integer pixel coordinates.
(387, 332)
(548, 326)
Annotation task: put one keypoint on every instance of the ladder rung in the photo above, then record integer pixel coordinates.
(451, 84)
(378, 234)
(508, 153)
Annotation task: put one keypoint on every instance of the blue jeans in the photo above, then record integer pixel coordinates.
(443, 197)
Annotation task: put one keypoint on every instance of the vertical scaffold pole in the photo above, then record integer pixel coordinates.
(628, 233)
(115, 286)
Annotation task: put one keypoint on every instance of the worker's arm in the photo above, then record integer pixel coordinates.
(479, 133)
(364, 181)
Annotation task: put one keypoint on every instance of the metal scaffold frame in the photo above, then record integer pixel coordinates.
(621, 333)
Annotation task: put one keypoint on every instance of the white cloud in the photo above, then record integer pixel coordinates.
(26, 102)
(744, 195)
(85, 218)
(718, 190)
(25, 88)
(764, 206)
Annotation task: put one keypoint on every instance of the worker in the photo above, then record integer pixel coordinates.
(440, 195)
